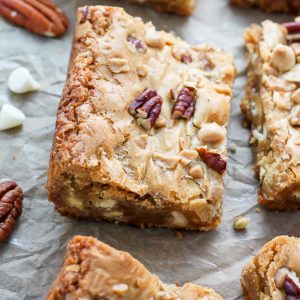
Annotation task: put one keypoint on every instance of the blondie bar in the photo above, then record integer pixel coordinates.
(273, 274)
(94, 271)
(285, 6)
(180, 7)
(141, 127)
(272, 105)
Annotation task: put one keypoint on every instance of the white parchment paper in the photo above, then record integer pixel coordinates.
(30, 260)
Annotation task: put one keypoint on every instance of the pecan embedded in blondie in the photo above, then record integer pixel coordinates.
(284, 6)
(272, 105)
(274, 272)
(92, 270)
(180, 7)
(141, 127)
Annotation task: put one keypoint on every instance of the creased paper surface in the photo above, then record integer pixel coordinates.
(30, 260)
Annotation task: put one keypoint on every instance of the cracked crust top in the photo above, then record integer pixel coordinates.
(115, 57)
(272, 105)
(92, 270)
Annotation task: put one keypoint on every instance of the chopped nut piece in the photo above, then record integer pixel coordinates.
(188, 153)
(179, 235)
(211, 133)
(120, 289)
(196, 172)
(233, 147)
(240, 223)
(154, 38)
(137, 43)
(213, 160)
(185, 104)
(283, 58)
(118, 65)
(160, 122)
(296, 97)
(142, 70)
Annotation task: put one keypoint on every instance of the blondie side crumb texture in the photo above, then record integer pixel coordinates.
(180, 7)
(272, 105)
(284, 6)
(141, 127)
(93, 270)
(273, 274)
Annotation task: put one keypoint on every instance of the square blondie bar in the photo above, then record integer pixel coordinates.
(180, 7)
(93, 270)
(272, 105)
(283, 6)
(274, 273)
(141, 127)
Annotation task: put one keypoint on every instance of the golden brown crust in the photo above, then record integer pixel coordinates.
(180, 7)
(284, 6)
(270, 103)
(93, 270)
(259, 276)
(104, 165)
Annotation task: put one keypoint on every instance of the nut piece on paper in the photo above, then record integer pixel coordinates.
(10, 117)
(42, 17)
(11, 202)
(20, 81)
(241, 223)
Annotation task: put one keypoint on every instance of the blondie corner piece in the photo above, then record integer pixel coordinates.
(180, 7)
(93, 270)
(273, 274)
(141, 127)
(270, 6)
(272, 105)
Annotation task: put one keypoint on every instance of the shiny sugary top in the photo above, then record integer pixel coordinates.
(93, 270)
(115, 57)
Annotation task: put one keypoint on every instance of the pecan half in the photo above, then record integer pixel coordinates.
(38, 16)
(292, 286)
(213, 160)
(146, 108)
(185, 104)
(11, 201)
(292, 27)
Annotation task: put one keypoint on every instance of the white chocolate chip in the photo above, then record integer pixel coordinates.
(196, 172)
(120, 289)
(108, 203)
(283, 58)
(154, 38)
(118, 65)
(211, 133)
(10, 117)
(20, 81)
(240, 223)
(179, 219)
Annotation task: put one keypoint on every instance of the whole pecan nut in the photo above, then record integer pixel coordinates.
(213, 160)
(147, 108)
(38, 16)
(11, 202)
(185, 104)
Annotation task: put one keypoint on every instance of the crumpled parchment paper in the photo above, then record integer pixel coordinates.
(30, 260)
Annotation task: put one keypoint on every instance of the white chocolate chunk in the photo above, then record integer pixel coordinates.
(20, 81)
(154, 38)
(211, 133)
(10, 117)
(283, 58)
